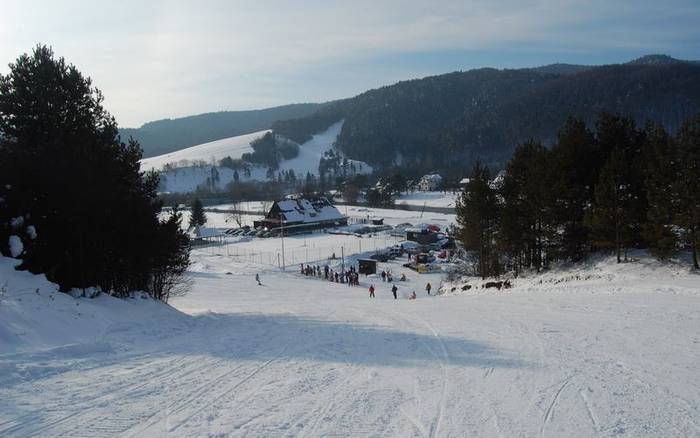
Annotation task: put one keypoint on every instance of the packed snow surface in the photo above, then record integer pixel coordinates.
(601, 350)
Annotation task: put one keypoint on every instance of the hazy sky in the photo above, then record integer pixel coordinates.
(157, 59)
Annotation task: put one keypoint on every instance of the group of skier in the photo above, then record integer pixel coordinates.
(350, 277)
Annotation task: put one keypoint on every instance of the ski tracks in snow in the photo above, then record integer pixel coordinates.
(443, 359)
(550, 409)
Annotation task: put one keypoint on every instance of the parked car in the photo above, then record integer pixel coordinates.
(381, 257)
(395, 251)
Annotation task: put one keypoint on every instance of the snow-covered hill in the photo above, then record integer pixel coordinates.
(186, 177)
(429, 199)
(232, 147)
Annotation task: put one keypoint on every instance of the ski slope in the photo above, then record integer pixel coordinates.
(232, 147)
(429, 199)
(189, 174)
(602, 350)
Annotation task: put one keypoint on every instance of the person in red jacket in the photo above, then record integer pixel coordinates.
(371, 291)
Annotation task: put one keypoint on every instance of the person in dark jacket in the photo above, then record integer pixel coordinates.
(393, 290)
(371, 291)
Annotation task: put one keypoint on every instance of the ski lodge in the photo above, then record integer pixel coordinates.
(299, 215)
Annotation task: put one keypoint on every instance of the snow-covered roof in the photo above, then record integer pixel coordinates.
(205, 232)
(307, 211)
(432, 177)
(497, 182)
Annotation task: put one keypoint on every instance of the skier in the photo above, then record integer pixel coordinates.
(257, 278)
(371, 291)
(403, 277)
(393, 290)
(412, 296)
(383, 276)
(428, 287)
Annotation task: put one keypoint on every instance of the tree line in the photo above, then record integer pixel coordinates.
(72, 192)
(612, 188)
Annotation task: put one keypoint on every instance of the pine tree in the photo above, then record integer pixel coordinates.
(688, 184)
(526, 198)
(617, 133)
(661, 183)
(477, 216)
(95, 212)
(610, 217)
(572, 168)
(198, 218)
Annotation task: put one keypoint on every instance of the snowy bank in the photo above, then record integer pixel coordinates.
(35, 316)
(641, 273)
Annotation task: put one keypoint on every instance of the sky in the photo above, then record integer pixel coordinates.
(164, 59)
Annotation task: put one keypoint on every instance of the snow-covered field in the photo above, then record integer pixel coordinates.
(601, 350)
(429, 199)
(186, 177)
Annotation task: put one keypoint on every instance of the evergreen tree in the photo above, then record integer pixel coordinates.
(688, 184)
(573, 168)
(64, 169)
(526, 198)
(617, 133)
(477, 216)
(198, 218)
(610, 216)
(661, 186)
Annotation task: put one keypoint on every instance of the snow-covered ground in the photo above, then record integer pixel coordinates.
(600, 350)
(429, 199)
(186, 177)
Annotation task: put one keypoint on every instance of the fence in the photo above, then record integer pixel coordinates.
(300, 254)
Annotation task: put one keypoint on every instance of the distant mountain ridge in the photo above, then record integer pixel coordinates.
(169, 135)
(444, 122)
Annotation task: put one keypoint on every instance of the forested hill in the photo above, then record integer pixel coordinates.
(168, 135)
(444, 122)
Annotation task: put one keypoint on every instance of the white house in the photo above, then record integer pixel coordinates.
(430, 183)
